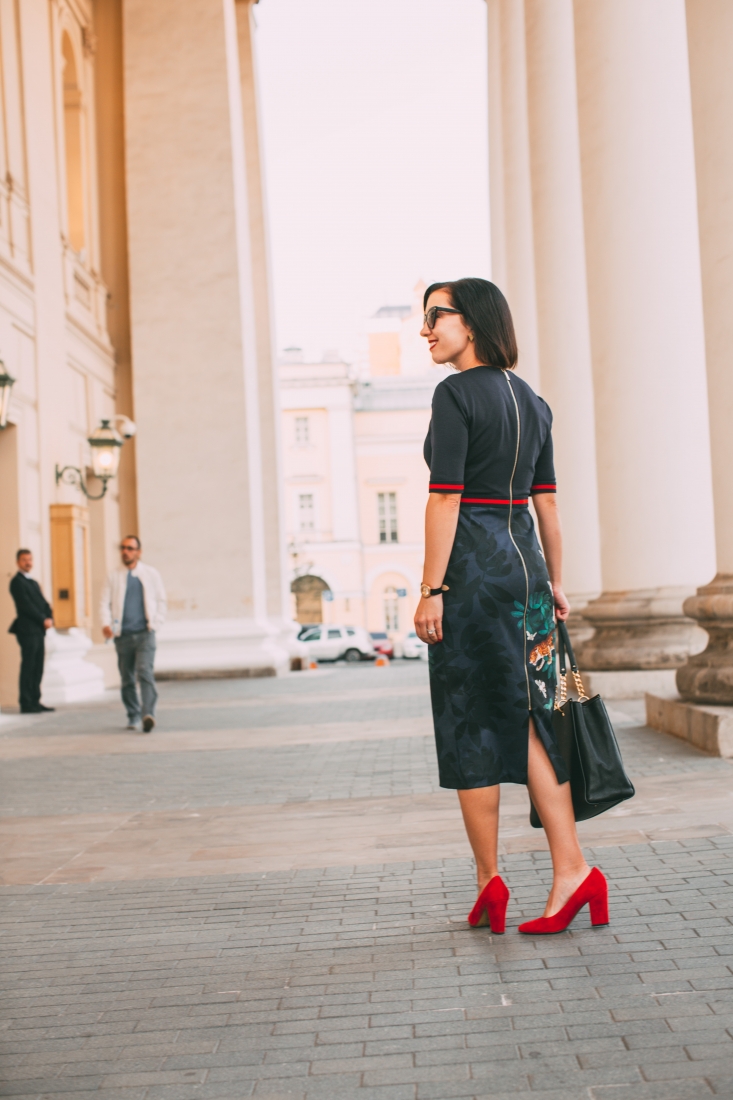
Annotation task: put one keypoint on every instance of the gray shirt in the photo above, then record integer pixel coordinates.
(133, 612)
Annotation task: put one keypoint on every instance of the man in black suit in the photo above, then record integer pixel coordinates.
(34, 618)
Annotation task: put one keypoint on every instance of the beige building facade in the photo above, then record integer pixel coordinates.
(134, 281)
(55, 338)
(355, 479)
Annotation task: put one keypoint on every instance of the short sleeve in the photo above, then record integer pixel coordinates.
(544, 480)
(449, 442)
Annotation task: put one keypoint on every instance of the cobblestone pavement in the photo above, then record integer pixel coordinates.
(356, 978)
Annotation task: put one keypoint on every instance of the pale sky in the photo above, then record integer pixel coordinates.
(376, 157)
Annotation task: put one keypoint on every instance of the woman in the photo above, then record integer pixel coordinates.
(489, 598)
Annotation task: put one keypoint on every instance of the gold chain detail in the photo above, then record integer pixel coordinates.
(579, 686)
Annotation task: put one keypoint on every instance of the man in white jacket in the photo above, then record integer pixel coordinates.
(133, 608)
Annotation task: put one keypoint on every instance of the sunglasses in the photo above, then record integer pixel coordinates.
(432, 315)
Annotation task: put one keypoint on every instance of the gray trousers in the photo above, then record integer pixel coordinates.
(135, 659)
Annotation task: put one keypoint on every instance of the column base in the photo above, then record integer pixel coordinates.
(707, 677)
(641, 629)
(579, 628)
(104, 656)
(632, 683)
(67, 676)
(706, 727)
(210, 648)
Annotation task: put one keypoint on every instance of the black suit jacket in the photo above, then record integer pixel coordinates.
(31, 606)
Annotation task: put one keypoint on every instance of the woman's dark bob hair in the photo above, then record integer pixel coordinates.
(486, 313)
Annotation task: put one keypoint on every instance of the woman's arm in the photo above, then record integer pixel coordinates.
(548, 521)
(441, 520)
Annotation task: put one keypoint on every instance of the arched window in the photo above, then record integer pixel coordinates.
(308, 592)
(391, 609)
(73, 131)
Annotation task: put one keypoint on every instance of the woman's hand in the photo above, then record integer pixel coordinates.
(441, 520)
(429, 619)
(548, 520)
(562, 607)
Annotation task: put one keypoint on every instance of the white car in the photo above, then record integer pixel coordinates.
(331, 643)
(414, 647)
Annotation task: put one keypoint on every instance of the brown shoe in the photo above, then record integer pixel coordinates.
(148, 723)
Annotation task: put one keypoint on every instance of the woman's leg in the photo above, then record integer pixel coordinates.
(554, 805)
(480, 808)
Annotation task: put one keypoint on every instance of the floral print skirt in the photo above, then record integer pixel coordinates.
(496, 662)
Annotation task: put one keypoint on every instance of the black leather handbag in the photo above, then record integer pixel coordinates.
(587, 745)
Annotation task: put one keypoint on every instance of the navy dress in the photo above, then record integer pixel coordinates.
(490, 439)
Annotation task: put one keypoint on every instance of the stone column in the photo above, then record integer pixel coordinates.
(708, 677)
(203, 471)
(655, 490)
(562, 299)
(110, 135)
(512, 249)
(278, 594)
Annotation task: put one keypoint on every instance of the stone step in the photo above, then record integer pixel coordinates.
(707, 727)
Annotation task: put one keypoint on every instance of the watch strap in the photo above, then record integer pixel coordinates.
(434, 591)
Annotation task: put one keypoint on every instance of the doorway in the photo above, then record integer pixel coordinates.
(308, 593)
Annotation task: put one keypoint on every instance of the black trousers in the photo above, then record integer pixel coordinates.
(32, 652)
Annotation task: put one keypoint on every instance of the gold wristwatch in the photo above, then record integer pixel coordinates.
(426, 590)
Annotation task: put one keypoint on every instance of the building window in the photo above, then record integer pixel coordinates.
(302, 431)
(391, 609)
(387, 508)
(306, 512)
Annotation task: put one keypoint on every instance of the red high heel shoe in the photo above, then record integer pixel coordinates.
(593, 892)
(490, 907)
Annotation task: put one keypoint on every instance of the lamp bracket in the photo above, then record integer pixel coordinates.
(72, 475)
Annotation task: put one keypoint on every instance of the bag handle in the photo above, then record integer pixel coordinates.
(564, 645)
(562, 678)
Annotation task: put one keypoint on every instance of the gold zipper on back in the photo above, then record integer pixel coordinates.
(511, 536)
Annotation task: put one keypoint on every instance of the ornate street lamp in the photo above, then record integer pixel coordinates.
(105, 442)
(6, 385)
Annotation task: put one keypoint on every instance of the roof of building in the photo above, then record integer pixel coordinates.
(393, 311)
(388, 394)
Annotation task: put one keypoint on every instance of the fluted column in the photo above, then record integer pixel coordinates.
(110, 136)
(203, 401)
(561, 294)
(645, 298)
(512, 247)
(278, 593)
(708, 677)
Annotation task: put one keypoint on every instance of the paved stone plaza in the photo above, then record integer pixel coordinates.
(267, 897)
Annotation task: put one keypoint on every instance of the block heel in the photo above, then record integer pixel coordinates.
(490, 907)
(598, 906)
